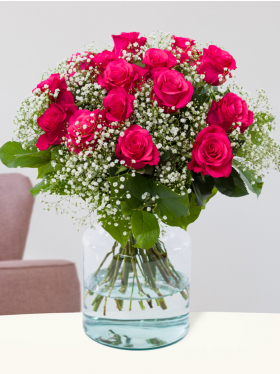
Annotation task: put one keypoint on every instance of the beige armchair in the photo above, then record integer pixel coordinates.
(29, 286)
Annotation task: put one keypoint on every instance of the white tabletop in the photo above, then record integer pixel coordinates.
(218, 343)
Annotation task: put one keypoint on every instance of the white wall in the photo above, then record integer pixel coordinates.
(236, 254)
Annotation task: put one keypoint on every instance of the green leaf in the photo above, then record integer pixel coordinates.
(137, 185)
(195, 211)
(225, 185)
(121, 169)
(169, 203)
(48, 168)
(139, 63)
(248, 177)
(41, 186)
(239, 186)
(202, 186)
(131, 204)
(13, 155)
(145, 229)
(120, 233)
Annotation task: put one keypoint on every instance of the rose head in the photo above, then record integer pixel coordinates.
(65, 98)
(83, 125)
(122, 41)
(137, 144)
(102, 59)
(53, 82)
(212, 153)
(158, 58)
(171, 89)
(121, 74)
(53, 122)
(185, 44)
(213, 63)
(118, 105)
(230, 109)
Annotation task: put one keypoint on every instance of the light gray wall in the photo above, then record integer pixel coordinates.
(236, 254)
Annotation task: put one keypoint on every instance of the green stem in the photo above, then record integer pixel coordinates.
(130, 304)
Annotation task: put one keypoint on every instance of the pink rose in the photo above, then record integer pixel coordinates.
(52, 83)
(213, 63)
(158, 58)
(102, 59)
(118, 105)
(171, 89)
(185, 44)
(212, 153)
(54, 125)
(230, 109)
(65, 98)
(122, 41)
(121, 74)
(136, 144)
(83, 125)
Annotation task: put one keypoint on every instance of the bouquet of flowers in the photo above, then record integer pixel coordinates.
(140, 136)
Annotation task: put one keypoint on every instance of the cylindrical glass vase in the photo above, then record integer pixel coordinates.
(136, 298)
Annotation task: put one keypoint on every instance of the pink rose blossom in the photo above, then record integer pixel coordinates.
(53, 82)
(122, 41)
(185, 44)
(65, 98)
(83, 125)
(136, 144)
(158, 58)
(230, 109)
(121, 74)
(102, 59)
(213, 63)
(54, 125)
(171, 89)
(118, 105)
(212, 153)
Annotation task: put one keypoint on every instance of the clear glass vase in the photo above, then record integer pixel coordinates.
(135, 298)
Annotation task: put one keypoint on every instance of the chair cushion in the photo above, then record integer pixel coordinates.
(16, 204)
(38, 286)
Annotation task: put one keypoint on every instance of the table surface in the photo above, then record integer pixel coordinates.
(218, 343)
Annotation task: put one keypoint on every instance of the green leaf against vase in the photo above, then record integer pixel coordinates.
(121, 232)
(13, 155)
(253, 183)
(145, 229)
(169, 203)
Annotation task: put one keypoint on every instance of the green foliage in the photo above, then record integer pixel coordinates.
(139, 63)
(233, 186)
(145, 229)
(47, 168)
(131, 204)
(195, 211)
(253, 183)
(202, 187)
(120, 233)
(42, 186)
(169, 203)
(13, 155)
